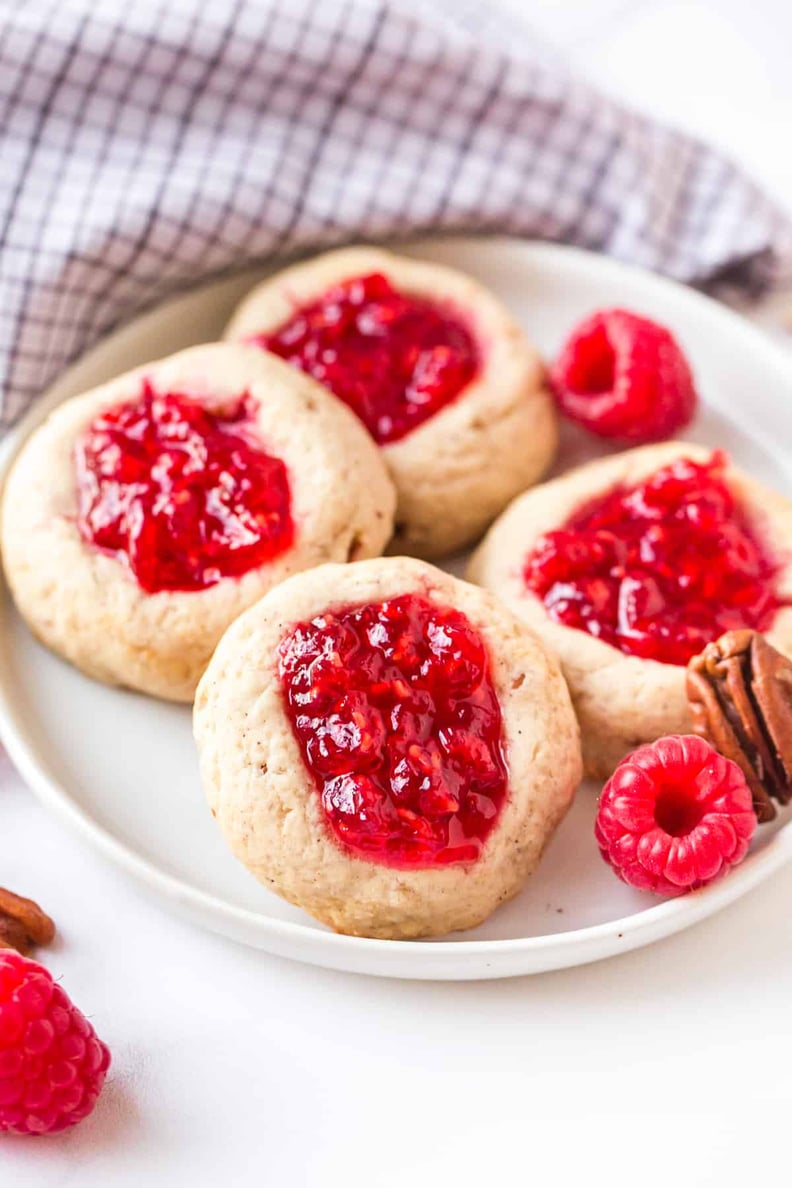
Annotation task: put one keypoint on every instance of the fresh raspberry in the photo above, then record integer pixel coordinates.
(52, 1065)
(674, 816)
(623, 376)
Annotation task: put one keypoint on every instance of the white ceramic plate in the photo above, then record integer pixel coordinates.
(122, 770)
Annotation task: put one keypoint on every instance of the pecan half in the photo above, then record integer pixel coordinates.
(23, 925)
(740, 694)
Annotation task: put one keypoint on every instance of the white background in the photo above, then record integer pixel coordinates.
(670, 1066)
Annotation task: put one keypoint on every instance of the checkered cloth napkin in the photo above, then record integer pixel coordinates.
(149, 144)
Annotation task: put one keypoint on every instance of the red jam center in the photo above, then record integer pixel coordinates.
(397, 719)
(183, 495)
(659, 569)
(395, 360)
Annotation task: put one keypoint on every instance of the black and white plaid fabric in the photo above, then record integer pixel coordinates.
(152, 143)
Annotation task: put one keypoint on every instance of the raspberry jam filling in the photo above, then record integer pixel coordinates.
(659, 569)
(183, 495)
(395, 360)
(394, 710)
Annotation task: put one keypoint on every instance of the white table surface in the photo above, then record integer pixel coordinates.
(669, 1066)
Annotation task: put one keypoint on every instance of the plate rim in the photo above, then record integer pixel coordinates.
(442, 960)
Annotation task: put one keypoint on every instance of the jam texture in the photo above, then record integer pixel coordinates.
(395, 359)
(659, 569)
(396, 716)
(184, 496)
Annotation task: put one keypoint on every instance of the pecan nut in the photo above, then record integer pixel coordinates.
(23, 925)
(740, 694)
